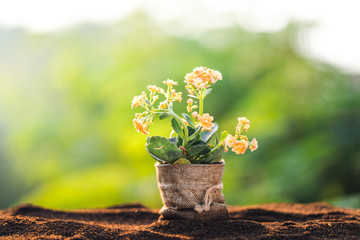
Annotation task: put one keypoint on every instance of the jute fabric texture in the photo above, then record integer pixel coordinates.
(192, 191)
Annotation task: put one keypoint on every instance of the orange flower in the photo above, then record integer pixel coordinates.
(205, 121)
(198, 83)
(163, 105)
(244, 137)
(189, 106)
(176, 96)
(170, 83)
(217, 75)
(189, 78)
(240, 146)
(153, 88)
(230, 140)
(140, 127)
(253, 145)
(244, 123)
(202, 77)
(195, 114)
(137, 100)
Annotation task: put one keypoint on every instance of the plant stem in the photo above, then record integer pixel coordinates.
(174, 115)
(201, 103)
(214, 149)
(186, 131)
(195, 134)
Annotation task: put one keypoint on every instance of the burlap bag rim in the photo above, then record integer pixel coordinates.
(221, 162)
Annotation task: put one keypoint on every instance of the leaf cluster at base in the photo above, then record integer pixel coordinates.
(197, 150)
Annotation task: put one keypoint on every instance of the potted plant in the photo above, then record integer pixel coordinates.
(189, 163)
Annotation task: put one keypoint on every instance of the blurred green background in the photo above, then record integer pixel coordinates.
(67, 140)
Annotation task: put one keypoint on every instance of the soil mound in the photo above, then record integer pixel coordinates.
(134, 221)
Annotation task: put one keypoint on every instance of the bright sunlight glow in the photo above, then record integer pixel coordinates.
(334, 38)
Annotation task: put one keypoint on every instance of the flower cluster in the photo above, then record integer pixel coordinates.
(189, 143)
(201, 78)
(205, 121)
(143, 120)
(240, 143)
(198, 84)
(142, 125)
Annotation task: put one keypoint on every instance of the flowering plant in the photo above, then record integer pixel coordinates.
(191, 133)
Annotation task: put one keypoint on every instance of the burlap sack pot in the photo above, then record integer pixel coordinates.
(192, 191)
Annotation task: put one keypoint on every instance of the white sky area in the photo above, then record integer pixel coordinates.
(334, 39)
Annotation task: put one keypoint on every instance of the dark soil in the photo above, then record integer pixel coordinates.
(134, 221)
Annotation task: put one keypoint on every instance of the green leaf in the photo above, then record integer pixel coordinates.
(208, 91)
(162, 149)
(173, 140)
(163, 116)
(179, 142)
(148, 139)
(215, 156)
(182, 161)
(176, 126)
(192, 96)
(195, 141)
(206, 135)
(196, 150)
(191, 130)
(155, 157)
(188, 119)
(224, 134)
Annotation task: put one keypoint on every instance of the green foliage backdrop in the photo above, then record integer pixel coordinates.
(67, 141)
